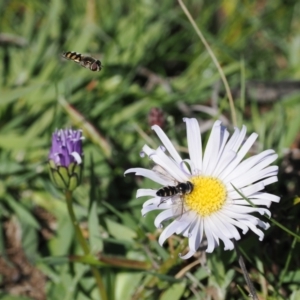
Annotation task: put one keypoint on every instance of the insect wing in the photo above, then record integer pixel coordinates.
(165, 199)
(162, 173)
(178, 207)
(85, 62)
(90, 63)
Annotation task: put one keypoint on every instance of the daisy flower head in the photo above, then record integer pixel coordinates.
(214, 192)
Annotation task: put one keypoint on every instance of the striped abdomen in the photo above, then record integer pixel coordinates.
(182, 188)
(73, 56)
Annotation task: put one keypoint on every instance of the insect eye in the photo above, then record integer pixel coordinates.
(94, 67)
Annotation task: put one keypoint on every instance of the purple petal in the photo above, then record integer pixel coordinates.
(66, 147)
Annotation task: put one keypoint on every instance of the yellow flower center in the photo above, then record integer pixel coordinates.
(208, 195)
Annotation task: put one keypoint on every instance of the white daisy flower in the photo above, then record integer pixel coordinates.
(212, 208)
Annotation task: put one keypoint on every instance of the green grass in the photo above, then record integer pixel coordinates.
(40, 91)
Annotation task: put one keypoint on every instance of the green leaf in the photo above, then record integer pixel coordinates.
(119, 231)
(96, 243)
(21, 212)
(126, 282)
(174, 292)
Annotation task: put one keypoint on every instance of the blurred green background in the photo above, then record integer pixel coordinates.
(155, 68)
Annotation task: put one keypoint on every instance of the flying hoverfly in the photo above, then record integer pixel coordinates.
(176, 192)
(85, 61)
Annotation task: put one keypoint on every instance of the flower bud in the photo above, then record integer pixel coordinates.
(66, 158)
(156, 117)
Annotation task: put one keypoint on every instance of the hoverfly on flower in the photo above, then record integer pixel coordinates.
(85, 61)
(175, 192)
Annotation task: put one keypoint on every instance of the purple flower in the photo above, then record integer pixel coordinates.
(66, 158)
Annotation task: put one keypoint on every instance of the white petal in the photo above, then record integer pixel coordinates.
(240, 139)
(255, 202)
(255, 230)
(164, 205)
(270, 180)
(160, 158)
(214, 230)
(147, 150)
(228, 244)
(181, 226)
(233, 222)
(149, 174)
(248, 164)
(226, 159)
(163, 216)
(146, 209)
(230, 170)
(155, 204)
(251, 166)
(184, 167)
(212, 149)
(246, 191)
(266, 196)
(263, 225)
(254, 175)
(224, 135)
(232, 140)
(217, 157)
(188, 255)
(247, 144)
(189, 216)
(210, 239)
(167, 143)
(220, 234)
(194, 143)
(231, 213)
(195, 239)
(77, 157)
(258, 199)
(196, 235)
(241, 209)
(167, 232)
(191, 227)
(223, 157)
(227, 229)
(153, 201)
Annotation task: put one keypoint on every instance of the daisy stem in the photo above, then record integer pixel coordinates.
(84, 245)
(169, 263)
(163, 269)
(253, 294)
(287, 263)
(214, 59)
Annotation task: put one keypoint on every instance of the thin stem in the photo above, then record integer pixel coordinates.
(288, 261)
(210, 52)
(84, 245)
(253, 294)
(284, 228)
(163, 269)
